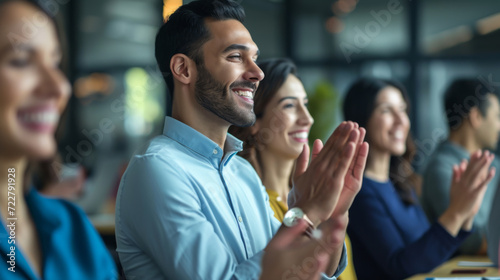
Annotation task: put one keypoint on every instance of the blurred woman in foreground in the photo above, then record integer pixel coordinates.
(40, 238)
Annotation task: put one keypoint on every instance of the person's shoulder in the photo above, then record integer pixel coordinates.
(159, 151)
(243, 167)
(159, 146)
(442, 159)
(74, 228)
(371, 187)
(65, 208)
(372, 194)
(241, 162)
(71, 217)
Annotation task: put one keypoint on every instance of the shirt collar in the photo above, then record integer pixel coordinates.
(39, 209)
(456, 149)
(194, 140)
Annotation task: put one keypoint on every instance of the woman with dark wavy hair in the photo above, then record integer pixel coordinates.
(391, 236)
(40, 238)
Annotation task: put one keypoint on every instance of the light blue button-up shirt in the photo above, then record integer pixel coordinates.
(186, 209)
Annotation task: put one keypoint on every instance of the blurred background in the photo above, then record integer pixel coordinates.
(119, 98)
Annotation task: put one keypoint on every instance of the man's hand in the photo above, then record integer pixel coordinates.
(469, 183)
(289, 255)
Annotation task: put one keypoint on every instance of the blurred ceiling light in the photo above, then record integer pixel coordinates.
(449, 38)
(169, 6)
(95, 83)
(334, 25)
(341, 7)
(488, 24)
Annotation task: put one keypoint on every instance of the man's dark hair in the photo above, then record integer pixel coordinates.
(461, 96)
(185, 32)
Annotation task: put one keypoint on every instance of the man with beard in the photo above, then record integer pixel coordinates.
(188, 207)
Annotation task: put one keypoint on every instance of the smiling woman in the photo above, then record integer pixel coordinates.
(279, 134)
(388, 228)
(42, 238)
(282, 127)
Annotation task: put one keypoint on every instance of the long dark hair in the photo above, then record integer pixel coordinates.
(358, 106)
(276, 71)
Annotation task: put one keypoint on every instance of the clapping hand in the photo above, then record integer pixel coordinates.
(469, 183)
(327, 186)
(285, 256)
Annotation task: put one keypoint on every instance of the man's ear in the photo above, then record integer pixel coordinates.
(182, 68)
(475, 117)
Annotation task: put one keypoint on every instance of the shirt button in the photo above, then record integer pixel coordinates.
(278, 198)
(240, 219)
(215, 151)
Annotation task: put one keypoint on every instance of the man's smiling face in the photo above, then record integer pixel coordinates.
(229, 76)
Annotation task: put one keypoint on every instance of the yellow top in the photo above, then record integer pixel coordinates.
(277, 204)
(280, 208)
(349, 273)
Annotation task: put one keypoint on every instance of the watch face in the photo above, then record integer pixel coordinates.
(291, 216)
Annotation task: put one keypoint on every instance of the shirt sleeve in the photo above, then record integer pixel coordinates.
(162, 214)
(342, 265)
(379, 235)
(436, 199)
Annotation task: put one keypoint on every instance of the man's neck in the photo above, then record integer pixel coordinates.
(464, 138)
(202, 121)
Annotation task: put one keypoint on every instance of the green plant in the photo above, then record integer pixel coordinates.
(323, 106)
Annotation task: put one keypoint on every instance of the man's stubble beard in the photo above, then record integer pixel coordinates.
(215, 97)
